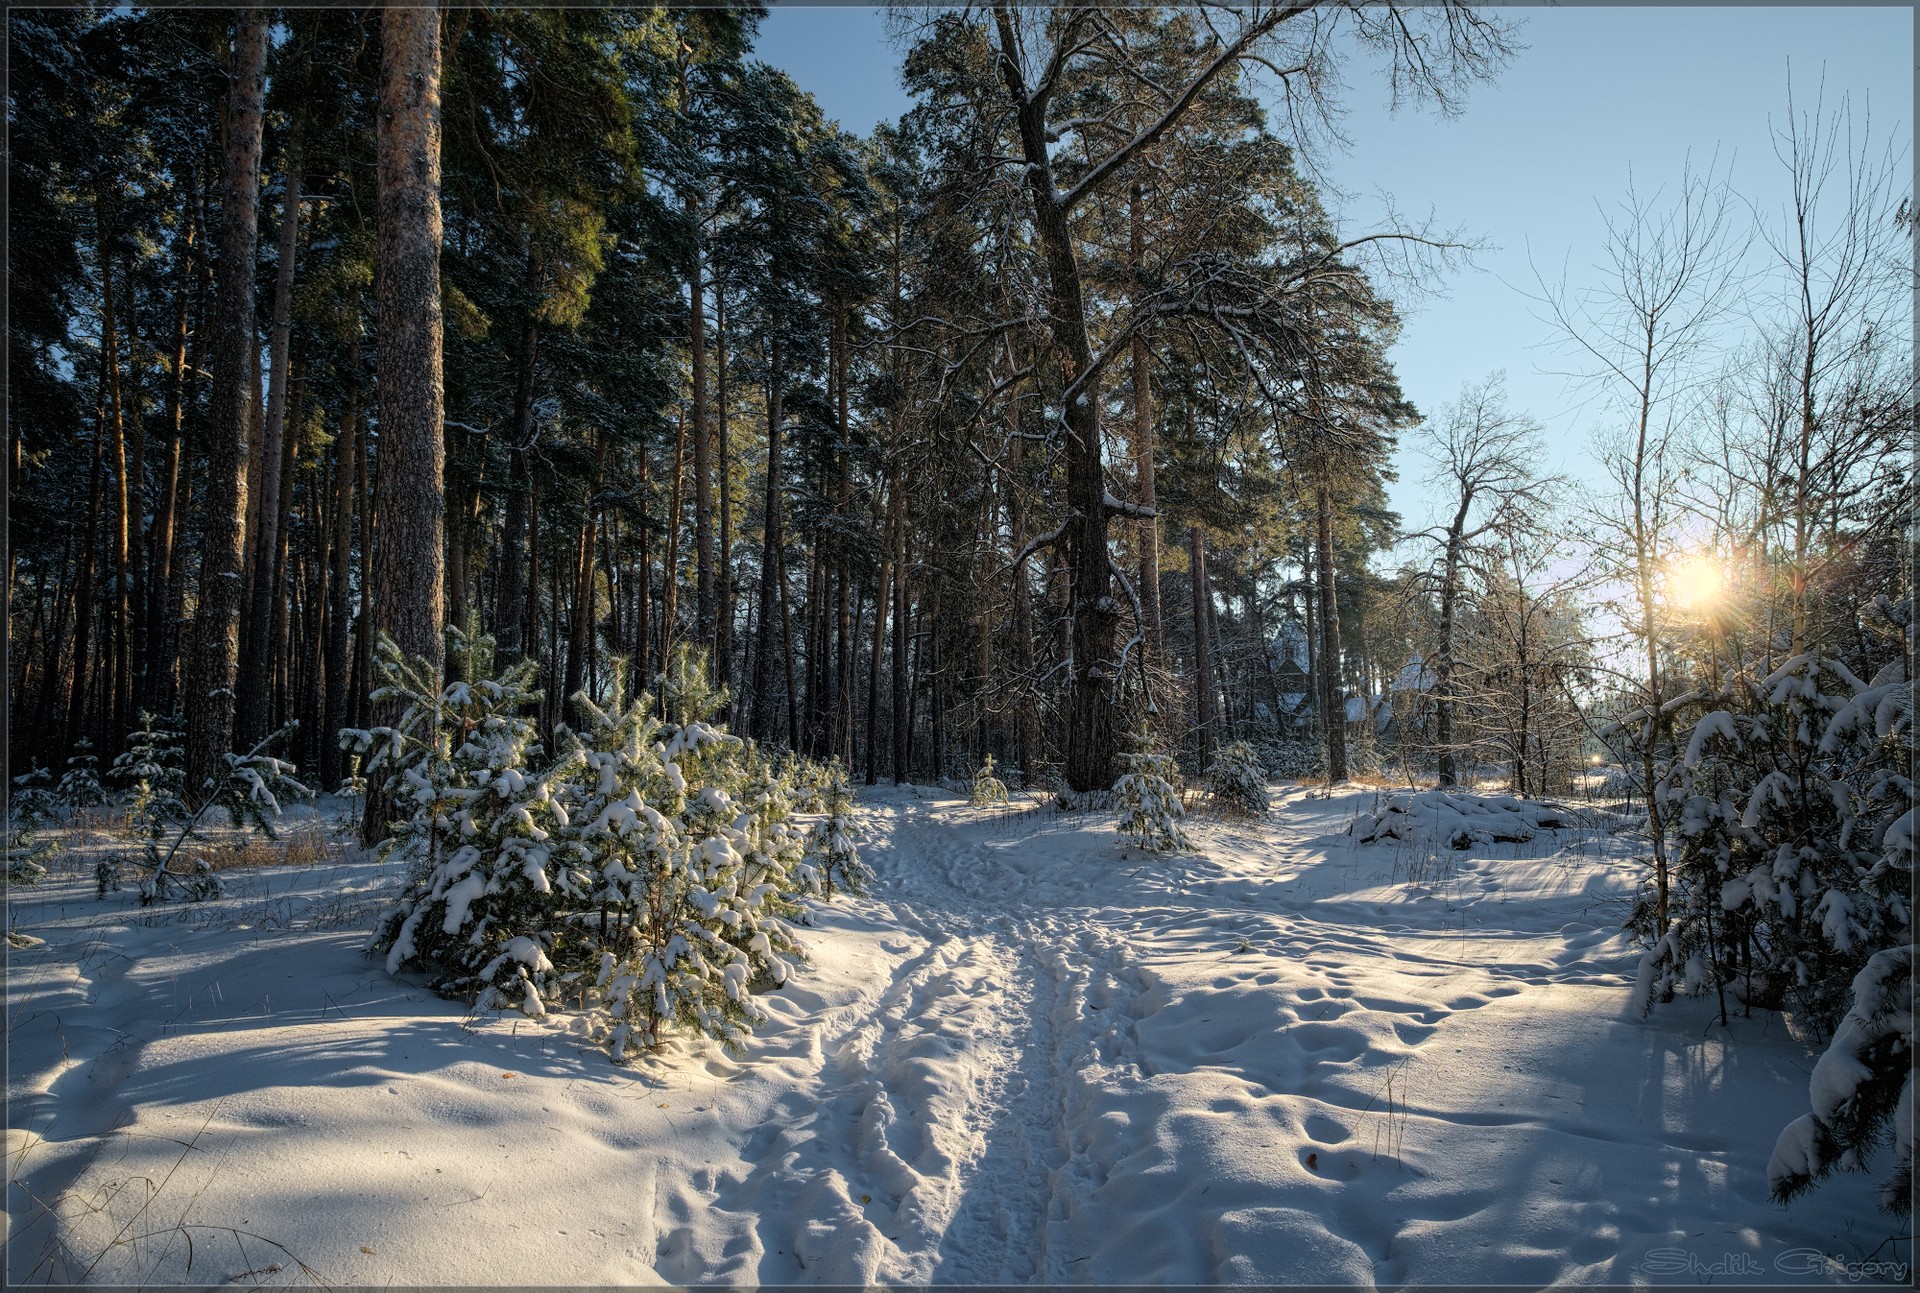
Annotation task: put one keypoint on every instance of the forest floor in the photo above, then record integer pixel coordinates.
(1030, 1055)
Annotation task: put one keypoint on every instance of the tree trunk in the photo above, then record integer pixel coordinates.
(902, 697)
(670, 558)
(1202, 655)
(881, 594)
(409, 559)
(509, 611)
(279, 598)
(1443, 658)
(160, 562)
(346, 455)
(1144, 449)
(580, 628)
(1091, 739)
(83, 588)
(769, 556)
(1026, 734)
(251, 712)
(786, 653)
(113, 715)
(1333, 698)
(723, 618)
(702, 460)
(210, 700)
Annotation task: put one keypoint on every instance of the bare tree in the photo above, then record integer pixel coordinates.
(1836, 349)
(1527, 652)
(1642, 337)
(1485, 457)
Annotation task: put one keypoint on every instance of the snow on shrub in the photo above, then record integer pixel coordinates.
(698, 871)
(1791, 811)
(477, 827)
(647, 876)
(1150, 808)
(80, 785)
(987, 790)
(1861, 1092)
(1236, 783)
(29, 807)
(153, 769)
(1456, 819)
(830, 844)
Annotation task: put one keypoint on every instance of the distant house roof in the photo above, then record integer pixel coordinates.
(1414, 675)
(1289, 646)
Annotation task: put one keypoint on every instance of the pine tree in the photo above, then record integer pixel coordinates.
(1791, 868)
(698, 869)
(830, 844)
(1862, 1091)
(29, 806)
(80, 784)
(477, 834)
(1150, 808)
(988, 790)
(153, 769)
(1236, 783)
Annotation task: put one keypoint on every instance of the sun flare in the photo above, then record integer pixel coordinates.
(1696, 581)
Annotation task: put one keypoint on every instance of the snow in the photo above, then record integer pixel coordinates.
(1026, 1057)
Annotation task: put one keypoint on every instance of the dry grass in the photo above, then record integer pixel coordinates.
(306, 845)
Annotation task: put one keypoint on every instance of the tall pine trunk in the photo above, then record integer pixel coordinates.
(1333, 700)
(409, 557)
(770, 560)
(509, 614)
(256, 634)
(210, 695)
(702, 460)
(346, 454)
(1144, 449)
(723, 611)
(1202, 654)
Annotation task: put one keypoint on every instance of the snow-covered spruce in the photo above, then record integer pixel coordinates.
(987, 790)
(1237, 783)
(153, 771)
(29, 807)
(696, 867)
(648, 875)
(1862, 1090)
(830, 844)
(1792, 816)
(477, 837)
(1150, 808)
(80, 785)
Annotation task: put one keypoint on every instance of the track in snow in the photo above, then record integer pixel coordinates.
(937, 1144)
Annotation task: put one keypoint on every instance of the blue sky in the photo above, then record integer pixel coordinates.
(1599, 91)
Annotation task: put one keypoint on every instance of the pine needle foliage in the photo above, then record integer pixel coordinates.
(1237, 783)
(988, 790)
(1150, 808)
(645, 877)
(831, 843)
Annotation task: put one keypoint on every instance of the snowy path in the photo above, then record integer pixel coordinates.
(1029, 1057)
(952, 1096)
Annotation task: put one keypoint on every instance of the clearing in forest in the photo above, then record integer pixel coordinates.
(1030, 1056)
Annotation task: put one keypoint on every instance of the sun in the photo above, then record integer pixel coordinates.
(1697, 580)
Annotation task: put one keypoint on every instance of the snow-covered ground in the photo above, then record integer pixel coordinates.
(1030, 1056)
